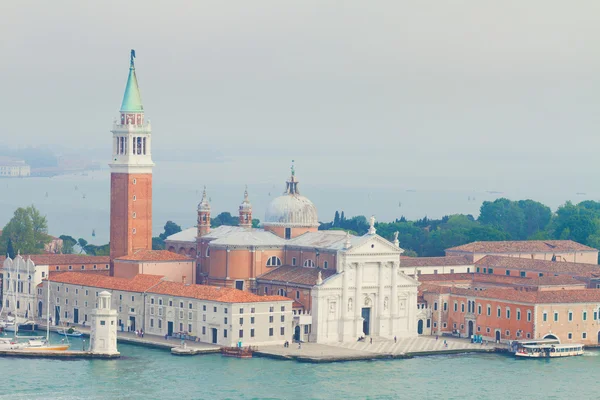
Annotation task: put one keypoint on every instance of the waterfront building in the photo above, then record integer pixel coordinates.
(131, 174)
(504, 308)
(103, 326)
(13, 168)
(218, 315)
(25, 272)
(172, 266)
(549, 250)
(532, 268)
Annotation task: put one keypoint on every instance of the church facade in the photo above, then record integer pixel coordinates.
(343, 286)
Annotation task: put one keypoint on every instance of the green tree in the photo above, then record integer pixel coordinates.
(224, 218)
(504, 215)
(69, 243)
(336, 219)
(27, 230)
(255, 222)
(171, 228)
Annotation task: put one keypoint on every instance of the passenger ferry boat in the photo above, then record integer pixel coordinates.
(547, 348)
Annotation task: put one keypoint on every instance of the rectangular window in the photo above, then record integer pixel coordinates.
(241, 321)
(251, 320)
(151, 322)
(570, 335)
(508, 313)
(477, 269)
(251, 332)
(224, 332)
(518, 315)
(451, 271)
(462, 307)
(241, 310)
(252, 310)
(489, 310)
(435, 306)
(204, 330)
(283, 318)
(271, 319)
(204, 308)
(584, 316)
(282, 331)
(270, 331)
(241, 333)
(293, 261)
(455, 306)
(595, 315)
(214, 309)
(102, 322)
(297, 294)
(271, 309)
(189, 328)
(555, 316)
(159, 324)
(225, 311)
(479, 309)
(132, 298)
(584, 335)
(499, 312)
(528, 316)
(282, 308)
(190, 315)
(570, 316)
(445, 306)
(545, 317)
(508, 272)
(225, 320)
(490, 270)
(181, 304)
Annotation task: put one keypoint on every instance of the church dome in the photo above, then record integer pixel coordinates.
(291, 210)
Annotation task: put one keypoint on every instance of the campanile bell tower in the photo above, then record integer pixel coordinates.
(131, 174)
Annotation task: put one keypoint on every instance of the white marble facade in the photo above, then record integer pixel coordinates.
(369, 296)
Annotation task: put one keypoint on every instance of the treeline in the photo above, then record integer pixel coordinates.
(501, 219)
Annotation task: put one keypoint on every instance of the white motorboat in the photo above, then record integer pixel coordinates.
(548, 348)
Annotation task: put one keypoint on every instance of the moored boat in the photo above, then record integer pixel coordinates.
(548, 348)
(239, 352)
(70, 332)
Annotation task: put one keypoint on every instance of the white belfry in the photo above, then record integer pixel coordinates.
(103, 335)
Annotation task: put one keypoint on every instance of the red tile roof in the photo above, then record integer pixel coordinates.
(139, 283)
(523, 296)
(522, 246)
(63, 259)
(154, 255)
(212, 293)
(560, 280)
(434, 261)
(526, 264)
(296, 275)
(153, 284)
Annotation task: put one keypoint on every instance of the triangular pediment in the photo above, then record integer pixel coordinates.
(373, 244)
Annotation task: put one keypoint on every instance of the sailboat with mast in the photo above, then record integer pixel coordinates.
(41, 343)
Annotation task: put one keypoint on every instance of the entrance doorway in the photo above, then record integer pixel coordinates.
(497, 336)
(420, 327)
(76, 315)
(170, 328)
(214, 335)
(366, 314)
(40, 309)
(132, 324)
(470, 328)
(56, 315)
(297, 333)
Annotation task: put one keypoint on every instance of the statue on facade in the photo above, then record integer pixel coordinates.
(350, 304)
(385, 303)
(372, 225)
(319, 278)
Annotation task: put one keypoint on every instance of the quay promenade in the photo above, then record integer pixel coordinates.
(379, 349)
(152, 341)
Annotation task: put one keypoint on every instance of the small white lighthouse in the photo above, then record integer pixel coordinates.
(103, 335)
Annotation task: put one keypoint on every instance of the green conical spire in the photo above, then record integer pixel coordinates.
(132, 101)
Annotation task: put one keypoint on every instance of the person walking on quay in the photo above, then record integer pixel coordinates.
(371, 341)
(395, 339)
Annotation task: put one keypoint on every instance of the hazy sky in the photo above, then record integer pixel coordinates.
(360, 91)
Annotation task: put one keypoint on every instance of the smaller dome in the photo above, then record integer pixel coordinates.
(291, 210)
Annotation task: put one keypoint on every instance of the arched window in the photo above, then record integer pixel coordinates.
(282, 292)
(309, 263)
(273, 261)
(208, 252)
(325, 264)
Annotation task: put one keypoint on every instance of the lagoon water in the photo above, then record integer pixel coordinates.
(77, 204)
(144, 373)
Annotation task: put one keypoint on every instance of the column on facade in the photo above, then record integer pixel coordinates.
(345, 292)
(394, 299)
(381, 296)
(357, 290)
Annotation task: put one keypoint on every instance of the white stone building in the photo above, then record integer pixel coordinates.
(223, 316)
(368, 296)
(20, 279)
(14, 168)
